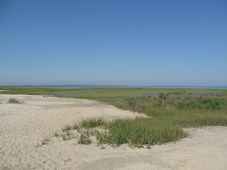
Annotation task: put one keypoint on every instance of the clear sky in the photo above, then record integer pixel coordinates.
(136, 42)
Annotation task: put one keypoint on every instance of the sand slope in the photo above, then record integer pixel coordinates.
(24, 126)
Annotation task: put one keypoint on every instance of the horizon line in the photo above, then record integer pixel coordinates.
(116, 85)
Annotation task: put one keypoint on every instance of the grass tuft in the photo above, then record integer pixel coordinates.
(140, 132)
(85, 138)
(92, 123)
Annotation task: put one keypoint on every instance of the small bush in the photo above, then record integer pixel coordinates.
(68, 132)
(132, 103)
(84, 139)
(45, 142)
(92, 123)
(103, 137)
(14, 101)
(67, 128)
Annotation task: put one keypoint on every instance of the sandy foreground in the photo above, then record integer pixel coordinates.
(24, 126)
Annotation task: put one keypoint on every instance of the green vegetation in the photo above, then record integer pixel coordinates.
(168, 111)
(85, 138)
(92, 123)
(140, 132)
(107, 93)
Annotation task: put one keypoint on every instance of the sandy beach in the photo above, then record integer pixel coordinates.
(24, 126)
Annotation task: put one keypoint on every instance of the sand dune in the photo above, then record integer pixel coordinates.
(24, 126)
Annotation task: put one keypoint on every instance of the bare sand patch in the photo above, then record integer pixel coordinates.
(23, 127)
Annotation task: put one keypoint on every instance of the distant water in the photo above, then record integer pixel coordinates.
(70, 86)
(185, 86)
(122, 86)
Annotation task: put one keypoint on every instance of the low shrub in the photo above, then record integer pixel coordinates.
(92, 123)
(202, 103)
(14, 101)
(84, 139)
(140, 132)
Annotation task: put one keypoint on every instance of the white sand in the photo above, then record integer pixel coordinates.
(24, 126)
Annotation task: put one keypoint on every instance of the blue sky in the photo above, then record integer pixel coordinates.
(135, 42)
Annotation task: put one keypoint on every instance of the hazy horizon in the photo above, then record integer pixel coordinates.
(117, 85)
